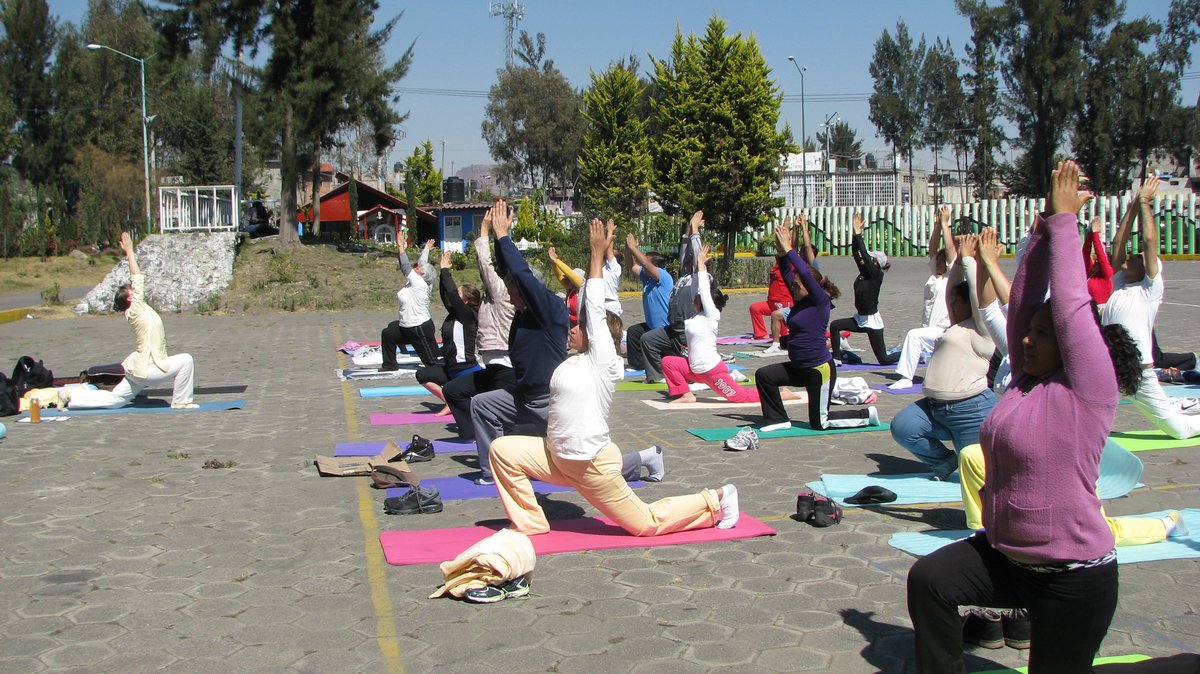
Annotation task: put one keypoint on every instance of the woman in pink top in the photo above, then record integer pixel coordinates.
(1095, 260)
(1045, 546)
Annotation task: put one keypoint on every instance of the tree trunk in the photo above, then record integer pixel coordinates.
(289, 179)
(316, 193)
(937, 195)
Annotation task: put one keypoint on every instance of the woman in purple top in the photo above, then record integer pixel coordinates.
(809, 364)
(1045, 546)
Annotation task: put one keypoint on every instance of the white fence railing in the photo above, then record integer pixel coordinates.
(905, 230)
(194, 209)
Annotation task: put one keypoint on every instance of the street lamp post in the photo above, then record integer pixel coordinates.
(803, 136)
(826, 125)
(145, 126)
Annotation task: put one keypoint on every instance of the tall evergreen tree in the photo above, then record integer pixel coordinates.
(844, 145)
(895, 104)
(719, 148)
(30, 35)
(983, 97)
(532, 123)
(614, 161)
(427, 180)
(1043, 42)
(943, 100)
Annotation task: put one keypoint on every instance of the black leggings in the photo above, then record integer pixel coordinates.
(1182, 361)
(422, 339)
(876, 336)
(1069, 611)
(818, 381)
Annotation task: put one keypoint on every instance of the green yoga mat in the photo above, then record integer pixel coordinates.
(1144, 441)
(799, 429)
(660, 386)
(1107, 660)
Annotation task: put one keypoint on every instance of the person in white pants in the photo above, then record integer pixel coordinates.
(1136, 298)
(149, 364)
(936, 318)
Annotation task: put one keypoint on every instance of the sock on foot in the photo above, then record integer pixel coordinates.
(652, 459)
(903, 383)
(729, 507)
(1175, 525)
(781, 426)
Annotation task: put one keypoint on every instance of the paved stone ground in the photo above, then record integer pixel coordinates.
(122, 553)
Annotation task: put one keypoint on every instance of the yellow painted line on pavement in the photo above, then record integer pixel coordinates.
(386, 632)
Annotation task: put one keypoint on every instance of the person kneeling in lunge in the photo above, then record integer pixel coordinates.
(577, 451)
(149, 364)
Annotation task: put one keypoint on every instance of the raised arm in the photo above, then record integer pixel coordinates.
(1148, 225)
(1080, 340)
(794, 267)
(941, 234)
(859, 248)
(703, 286)
(689, 247)
(563, 271)
(424, 259)
(493, 286)
(638, 258)
(991, 283)
(806, 251)
(448, 291)
(545, 306)
(130, 256)
(601, 348)
(1124, 228)
(1094, 245)
(967, 250)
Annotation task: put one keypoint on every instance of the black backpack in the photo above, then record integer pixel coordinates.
(28, 375)
(9, 398)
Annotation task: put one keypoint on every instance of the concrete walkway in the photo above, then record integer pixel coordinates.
(123, 553)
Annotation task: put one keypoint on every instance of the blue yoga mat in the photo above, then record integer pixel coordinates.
(147, 406)
(1186, 391)
(389, 391)
(463, 487)
(1120, 471)
(921, 543)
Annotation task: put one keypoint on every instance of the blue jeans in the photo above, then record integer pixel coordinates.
(924, 426)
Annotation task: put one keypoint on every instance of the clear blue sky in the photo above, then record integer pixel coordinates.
(459, 47)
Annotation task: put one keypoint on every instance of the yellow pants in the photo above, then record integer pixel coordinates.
(1126, 530)
(515, 459)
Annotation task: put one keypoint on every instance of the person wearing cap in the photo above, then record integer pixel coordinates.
(871, 268)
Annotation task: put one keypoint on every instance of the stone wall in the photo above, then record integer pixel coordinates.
(181, 271)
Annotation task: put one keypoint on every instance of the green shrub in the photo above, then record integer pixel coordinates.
(282, 268)
(208, 305)
(52, 295)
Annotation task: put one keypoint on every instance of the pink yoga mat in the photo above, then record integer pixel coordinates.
(432, 546)
(405, 418)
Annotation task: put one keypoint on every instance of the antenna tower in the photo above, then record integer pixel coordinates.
(512, 13)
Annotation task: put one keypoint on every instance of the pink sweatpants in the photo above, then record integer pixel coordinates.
(678, 374)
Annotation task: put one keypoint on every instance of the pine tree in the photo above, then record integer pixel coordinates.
(614, 162)
(427, 179)
(895, 105)
(718, 150)
(943, 101)
(983, 98)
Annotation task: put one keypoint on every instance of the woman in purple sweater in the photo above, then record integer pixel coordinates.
(1045, 546)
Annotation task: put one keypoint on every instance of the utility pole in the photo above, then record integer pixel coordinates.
(512, 13)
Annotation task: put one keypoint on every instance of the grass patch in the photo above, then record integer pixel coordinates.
(178, 456)
(28, 274)
(213, 464)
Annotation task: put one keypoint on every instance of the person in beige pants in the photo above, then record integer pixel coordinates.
(577, 451)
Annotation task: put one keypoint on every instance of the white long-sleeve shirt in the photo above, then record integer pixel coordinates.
(581, 388)
(414, 298)
(701, 330)
(612, 285)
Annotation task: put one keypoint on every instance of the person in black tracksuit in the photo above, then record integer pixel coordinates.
(871, 269)
(458, 334)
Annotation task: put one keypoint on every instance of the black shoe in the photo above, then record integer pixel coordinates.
(419, 450)
(422, 500)
(388, 368)
(981, 626)
(806, 504)
(825, 513)
(490, 594)
(1016, 628)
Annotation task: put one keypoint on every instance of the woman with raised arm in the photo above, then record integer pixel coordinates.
(458, 334)
(809, 364)
(577, 451)
(1095, 260)
(778, 297)
(871, 268)
(703, 362)
(415, 325)
(1046, 547)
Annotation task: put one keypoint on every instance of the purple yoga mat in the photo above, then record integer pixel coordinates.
(462, 487)
(861, 366)
(374, 448)
(915, 388)
(405, 418)
(726, 341)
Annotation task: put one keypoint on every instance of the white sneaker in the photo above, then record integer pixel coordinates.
(902, 384)
(746, 439)
(774, 348)
(781, 426)
(873, 416)
(738, 376)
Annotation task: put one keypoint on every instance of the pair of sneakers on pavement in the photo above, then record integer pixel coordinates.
(989, 628)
